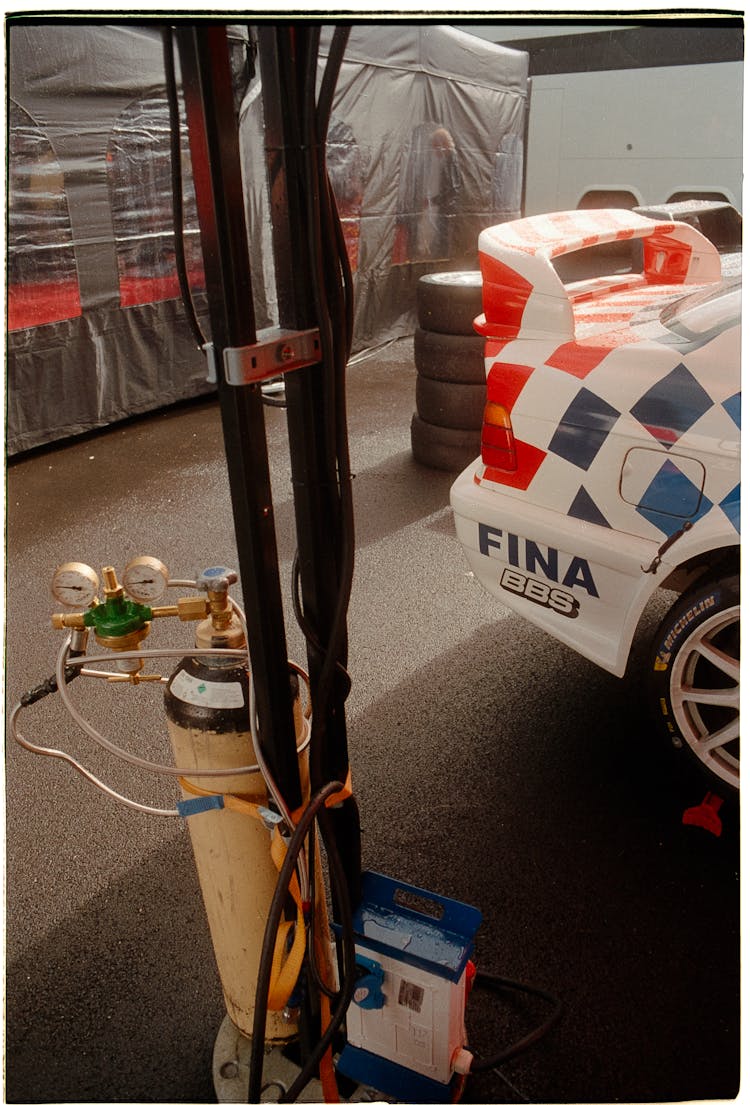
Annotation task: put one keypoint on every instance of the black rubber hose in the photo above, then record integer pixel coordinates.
(334, 309)
(495, 982)
(349, 980)
(334, 645)
(331, 75)
(273, 920)
(49, 686)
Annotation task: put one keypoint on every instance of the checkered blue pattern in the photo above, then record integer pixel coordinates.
(654, 403)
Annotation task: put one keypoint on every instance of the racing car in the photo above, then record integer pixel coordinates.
(610, 462)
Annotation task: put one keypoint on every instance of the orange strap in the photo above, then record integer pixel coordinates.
(231, 801)
(332, 799)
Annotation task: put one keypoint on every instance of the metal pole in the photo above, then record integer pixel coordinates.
(214, 146)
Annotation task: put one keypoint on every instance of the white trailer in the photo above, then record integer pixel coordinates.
(629, 115)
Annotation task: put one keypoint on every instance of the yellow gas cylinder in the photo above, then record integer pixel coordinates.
(206, 703)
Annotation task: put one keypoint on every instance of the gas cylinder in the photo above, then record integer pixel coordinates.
(206, 701)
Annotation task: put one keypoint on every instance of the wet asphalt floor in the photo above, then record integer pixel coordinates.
(491, 765)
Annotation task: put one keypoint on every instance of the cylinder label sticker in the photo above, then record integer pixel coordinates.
(214, 696)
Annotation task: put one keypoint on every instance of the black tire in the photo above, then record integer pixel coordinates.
(448, 302)
(457, 406)
(444, 448)
(707, 615)
(454, 358)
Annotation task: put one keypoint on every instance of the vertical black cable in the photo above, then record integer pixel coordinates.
(311, 292)
(175, 153)
(214, 144)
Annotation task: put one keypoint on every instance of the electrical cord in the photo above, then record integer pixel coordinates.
(349, 979)
(328, 290)
(499, 984)
(275, 914)
(511, 1086)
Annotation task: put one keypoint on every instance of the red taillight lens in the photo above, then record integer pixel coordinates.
(498, 442)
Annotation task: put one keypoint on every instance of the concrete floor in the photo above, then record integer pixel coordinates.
(491, 765)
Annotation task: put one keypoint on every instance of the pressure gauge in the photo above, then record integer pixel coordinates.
(145, 579)
(75, 584)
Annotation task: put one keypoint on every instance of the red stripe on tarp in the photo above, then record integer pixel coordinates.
(32, 305)
(135, 290)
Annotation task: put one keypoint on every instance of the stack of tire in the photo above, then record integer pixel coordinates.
(449, 357)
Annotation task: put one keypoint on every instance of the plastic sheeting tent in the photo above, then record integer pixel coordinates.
(425, 149)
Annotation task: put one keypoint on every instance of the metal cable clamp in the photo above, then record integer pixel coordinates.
(276, 351)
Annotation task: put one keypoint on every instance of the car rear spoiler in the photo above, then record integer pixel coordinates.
(523, 294)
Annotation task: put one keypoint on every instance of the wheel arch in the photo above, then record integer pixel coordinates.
(715, 562)
(720, 561)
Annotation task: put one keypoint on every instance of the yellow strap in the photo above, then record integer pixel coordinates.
(285, 968)
(285, 971)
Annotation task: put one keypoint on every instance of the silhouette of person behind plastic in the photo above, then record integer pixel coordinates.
(442, 185)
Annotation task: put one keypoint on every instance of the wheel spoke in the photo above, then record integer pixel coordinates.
(728, 665)
(728, 697)
(721, 737)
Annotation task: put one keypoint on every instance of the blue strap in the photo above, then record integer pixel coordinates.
(188, 806)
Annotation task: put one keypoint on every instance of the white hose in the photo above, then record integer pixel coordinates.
(57, 754)
(64, 660)
(121, 753)
(273, 789)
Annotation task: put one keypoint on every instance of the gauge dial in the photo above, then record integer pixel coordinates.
(145, 579)
(75, 584)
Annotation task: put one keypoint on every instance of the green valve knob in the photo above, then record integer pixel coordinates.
(117, 617)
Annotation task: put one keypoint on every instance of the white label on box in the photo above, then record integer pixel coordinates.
(411, 995)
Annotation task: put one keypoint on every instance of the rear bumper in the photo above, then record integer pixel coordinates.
(583, 584)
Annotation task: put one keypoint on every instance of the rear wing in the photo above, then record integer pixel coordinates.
(523, 295)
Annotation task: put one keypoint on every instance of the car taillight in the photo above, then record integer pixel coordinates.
(498, 442)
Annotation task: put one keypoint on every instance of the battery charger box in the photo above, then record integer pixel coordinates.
(406, 1020)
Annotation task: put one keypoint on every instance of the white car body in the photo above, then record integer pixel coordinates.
(624, 430)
